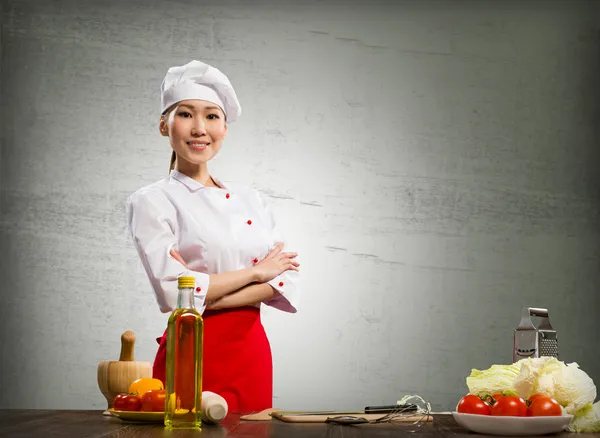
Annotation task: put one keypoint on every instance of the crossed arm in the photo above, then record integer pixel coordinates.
(248, 295)
(246, 286)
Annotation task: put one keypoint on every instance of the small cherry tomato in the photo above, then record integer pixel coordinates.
(127, 402)
(509, 406)
(471, 404)
(544, 407)
(154, 400)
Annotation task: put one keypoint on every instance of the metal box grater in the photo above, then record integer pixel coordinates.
(530, 341)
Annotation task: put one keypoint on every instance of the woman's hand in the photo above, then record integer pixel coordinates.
(274, 264)
(175, 254)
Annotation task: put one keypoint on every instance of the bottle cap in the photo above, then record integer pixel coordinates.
(186, 282)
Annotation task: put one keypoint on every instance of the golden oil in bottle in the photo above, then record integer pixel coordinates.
(183, 404)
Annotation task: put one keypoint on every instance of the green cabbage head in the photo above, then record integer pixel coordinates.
(569, 385)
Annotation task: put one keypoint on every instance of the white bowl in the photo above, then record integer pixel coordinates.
(512, 426)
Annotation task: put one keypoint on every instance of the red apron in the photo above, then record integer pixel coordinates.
(236, 360)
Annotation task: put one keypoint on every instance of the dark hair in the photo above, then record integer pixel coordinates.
(165, 114)
(172, 164)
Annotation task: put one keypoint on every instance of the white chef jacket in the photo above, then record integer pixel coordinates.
(215, 229)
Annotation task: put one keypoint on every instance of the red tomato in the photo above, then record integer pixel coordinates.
(471, 404)
(544, 407)
(493, 398)
(127, 402)
(534, 396)
(154, 400)
(509, 406)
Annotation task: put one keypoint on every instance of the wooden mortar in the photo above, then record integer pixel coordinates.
(115, 376)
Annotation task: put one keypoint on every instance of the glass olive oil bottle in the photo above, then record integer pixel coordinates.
(183, 404)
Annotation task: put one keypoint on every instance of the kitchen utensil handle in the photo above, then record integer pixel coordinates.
(127, 341)
(389, 408)
(536, 311)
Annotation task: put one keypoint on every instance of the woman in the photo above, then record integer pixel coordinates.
(223, 234)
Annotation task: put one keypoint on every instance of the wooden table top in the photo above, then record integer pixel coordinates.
(92, 424)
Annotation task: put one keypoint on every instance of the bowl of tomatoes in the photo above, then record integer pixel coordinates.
(145, 401)
(500, 414)
(148, 407)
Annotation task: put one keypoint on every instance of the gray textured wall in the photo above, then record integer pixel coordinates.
(435, 163)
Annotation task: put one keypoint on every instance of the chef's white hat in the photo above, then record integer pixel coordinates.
(197, 80)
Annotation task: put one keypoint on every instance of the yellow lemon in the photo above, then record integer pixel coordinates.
(143, 385)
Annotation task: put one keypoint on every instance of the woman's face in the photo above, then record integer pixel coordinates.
(196, 129)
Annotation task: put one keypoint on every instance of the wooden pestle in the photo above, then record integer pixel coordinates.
(127, 343)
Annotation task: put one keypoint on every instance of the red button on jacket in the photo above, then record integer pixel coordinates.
(280, 283)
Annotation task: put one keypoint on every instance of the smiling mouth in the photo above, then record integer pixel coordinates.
(198, 146)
